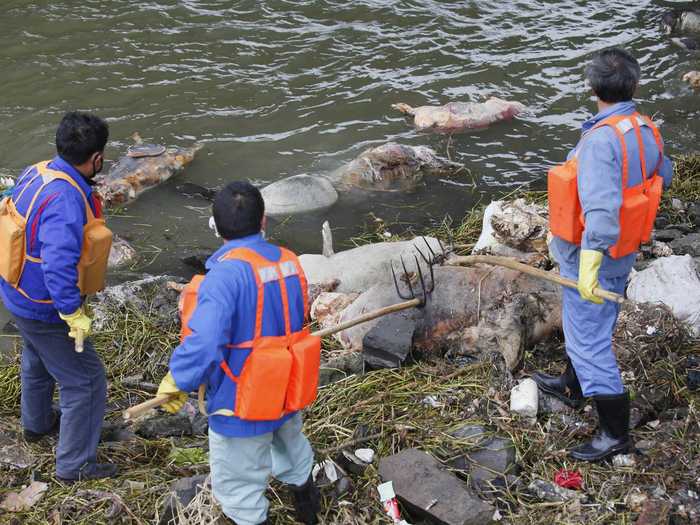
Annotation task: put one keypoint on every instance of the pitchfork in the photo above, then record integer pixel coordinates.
(412, 298)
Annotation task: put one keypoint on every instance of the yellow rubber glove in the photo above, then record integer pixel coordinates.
(169, 387)
(77, 321)
(588, 268)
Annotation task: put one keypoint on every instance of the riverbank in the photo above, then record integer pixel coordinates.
(434, 405)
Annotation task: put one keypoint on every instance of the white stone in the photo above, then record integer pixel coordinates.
(524, 398)
(672, 281)
(365, 454)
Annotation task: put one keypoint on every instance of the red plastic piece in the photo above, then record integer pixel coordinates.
(569, 479)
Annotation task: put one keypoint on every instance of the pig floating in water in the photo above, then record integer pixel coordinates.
(389, 167)
(685, 25)
(693, 78)
(143, 167)
(460, 116)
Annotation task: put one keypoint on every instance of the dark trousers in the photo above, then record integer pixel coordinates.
(49, 357)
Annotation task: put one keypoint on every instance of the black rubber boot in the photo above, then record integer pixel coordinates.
(307, 502)
(564, 387)
(93, 471)
(33, 437)
(613, 435)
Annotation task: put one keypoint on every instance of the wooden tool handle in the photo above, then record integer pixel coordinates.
(507, 262)
(79, 341)
(368, 317)
(137, 410)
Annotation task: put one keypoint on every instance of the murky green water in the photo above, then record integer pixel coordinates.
(278, 88)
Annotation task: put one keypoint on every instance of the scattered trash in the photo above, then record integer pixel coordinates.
(524, 398)
(497, 516)
(365, 454)
(651, 330)
(569, 479)
(547, 491)
(391, 506)
(693, 366)
(431, 401)
(624, 460)
(432, 504)
(24, 500)
(635, 500)
(330, 472)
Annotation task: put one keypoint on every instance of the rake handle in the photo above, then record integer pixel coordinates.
(137, 410)
(507, 262)
(368, 317)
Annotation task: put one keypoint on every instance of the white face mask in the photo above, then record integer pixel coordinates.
(212, 226)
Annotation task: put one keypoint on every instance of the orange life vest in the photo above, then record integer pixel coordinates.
(97, 239)
(640, 203)
(281, 373)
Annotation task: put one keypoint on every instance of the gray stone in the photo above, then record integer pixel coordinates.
(491, 460)
(473, 433)
(688, 244)
(116, 433)
(421, 481)
(164, 425)
(667, 235)
(182, 492)
(389, 342)
(694, 213)
(298, 194)
(548, 491)
(340, 367)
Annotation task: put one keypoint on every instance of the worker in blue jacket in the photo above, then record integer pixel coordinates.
(47, 306)
(588, 321)
(242, 454)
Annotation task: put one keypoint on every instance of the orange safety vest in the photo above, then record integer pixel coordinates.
(97, 239)
(640, 203)
(281, 373)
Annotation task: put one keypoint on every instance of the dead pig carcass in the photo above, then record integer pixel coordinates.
(471, 312)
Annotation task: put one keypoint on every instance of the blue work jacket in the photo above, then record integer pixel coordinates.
(54, 242)
(599, 154)
(225, 316)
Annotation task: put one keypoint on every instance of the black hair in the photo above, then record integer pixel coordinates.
(79, 136)
(613, 74)
(238, 210)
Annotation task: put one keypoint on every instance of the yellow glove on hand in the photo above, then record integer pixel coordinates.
(77, 321)
(168, 387)
(588, 268)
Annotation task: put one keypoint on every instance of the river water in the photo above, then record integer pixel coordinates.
(279, 88)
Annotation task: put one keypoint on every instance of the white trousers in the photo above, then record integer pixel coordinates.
(241, 468)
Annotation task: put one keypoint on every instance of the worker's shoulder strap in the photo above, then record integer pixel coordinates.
(47, 176)
(621, 124)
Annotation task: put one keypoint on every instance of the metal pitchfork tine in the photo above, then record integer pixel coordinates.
(435, 258)
(424, 289)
